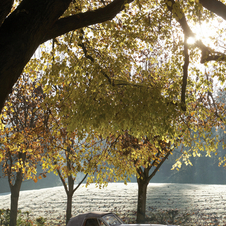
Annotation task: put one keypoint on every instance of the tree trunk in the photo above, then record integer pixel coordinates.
(15, 191)
(70, 193)
(21, 34)
(141, 204)
(69, 206)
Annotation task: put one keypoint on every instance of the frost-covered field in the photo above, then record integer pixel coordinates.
(208, 202)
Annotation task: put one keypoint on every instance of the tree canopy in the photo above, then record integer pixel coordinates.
(119, 65)
(25, 27)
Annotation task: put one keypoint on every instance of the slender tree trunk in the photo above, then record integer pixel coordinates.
(141, 204)
(15, 191)
(69, 207)
(70, 193)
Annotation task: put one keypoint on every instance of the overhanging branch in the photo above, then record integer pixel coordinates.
(81, 20)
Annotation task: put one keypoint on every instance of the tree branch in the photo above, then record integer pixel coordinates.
(159, 165)
(185, 75)
(21, 34)
(80, 182)
(206, 57)
(5, 8)
(140, 172)
(207, 53)
(181, 19)
(81, 20)
(215, 6)
(63, 181)
(82, 45)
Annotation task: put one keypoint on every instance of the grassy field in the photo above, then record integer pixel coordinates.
(184, 204)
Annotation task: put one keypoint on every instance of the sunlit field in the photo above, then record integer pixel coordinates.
(205, 204)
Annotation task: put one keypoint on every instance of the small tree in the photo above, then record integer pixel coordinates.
(25, 137)
(74, 157)
(142, 157)
(69, 171)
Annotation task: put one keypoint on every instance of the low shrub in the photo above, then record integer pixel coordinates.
(23, 219)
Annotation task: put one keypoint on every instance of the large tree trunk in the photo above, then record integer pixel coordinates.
(15, 191)
(21, 34)
(141, 204)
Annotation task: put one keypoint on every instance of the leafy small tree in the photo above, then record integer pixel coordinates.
(142, 157)
(75, 157)
(25, 137)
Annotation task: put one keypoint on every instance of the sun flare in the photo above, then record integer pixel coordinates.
(205, 32)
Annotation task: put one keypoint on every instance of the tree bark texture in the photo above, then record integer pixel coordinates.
(15, 191)
(141, 202)
(70, 193)
(69, 206)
